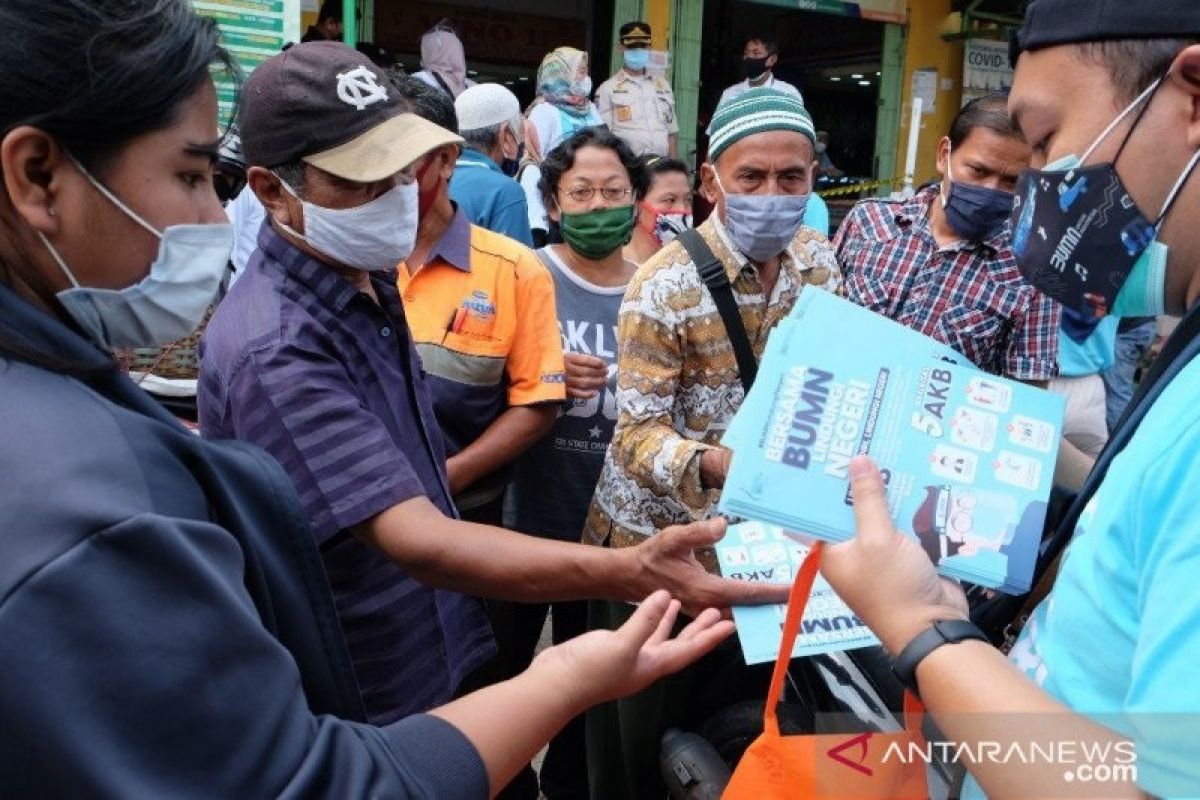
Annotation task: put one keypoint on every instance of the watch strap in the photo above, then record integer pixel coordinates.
(945, 631)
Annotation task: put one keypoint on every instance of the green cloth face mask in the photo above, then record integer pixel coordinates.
(596, 234)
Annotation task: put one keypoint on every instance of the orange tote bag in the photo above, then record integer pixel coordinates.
(837, 766)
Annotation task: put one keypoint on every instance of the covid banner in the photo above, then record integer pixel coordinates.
(985, 68)
(252, 31)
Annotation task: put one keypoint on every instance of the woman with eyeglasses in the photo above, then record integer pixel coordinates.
(591, 184)
(167, 626)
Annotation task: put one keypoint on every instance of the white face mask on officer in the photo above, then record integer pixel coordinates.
(376, 235)
(168, 303)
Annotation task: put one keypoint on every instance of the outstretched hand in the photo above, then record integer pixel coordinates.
(883, 575)
(667, 560)
(605, 664)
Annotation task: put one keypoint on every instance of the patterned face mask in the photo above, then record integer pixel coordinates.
(668, 223)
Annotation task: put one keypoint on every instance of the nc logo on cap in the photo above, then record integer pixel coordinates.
(359, 88)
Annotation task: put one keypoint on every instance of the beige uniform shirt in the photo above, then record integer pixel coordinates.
(640, 109)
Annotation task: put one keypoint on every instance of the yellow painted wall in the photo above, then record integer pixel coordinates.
(926, 49)
(658, 16)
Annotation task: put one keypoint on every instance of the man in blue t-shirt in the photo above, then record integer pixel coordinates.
(1103, 675)
(1085, 350)
(483, 184)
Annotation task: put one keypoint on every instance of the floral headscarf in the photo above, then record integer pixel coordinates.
(556, 82)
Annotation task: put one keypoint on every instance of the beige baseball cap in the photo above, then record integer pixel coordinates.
(330, 106)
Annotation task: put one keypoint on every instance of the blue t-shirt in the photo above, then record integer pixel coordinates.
(816, 214)
(1118, 639)
(555, 478)
(489, 198)
(1093, 355)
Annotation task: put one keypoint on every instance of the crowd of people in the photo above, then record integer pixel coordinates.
(464, 367)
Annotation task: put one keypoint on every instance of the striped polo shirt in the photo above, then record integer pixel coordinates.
(299, 362)
(482, 314)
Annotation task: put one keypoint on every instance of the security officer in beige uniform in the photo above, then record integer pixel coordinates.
(637, 106)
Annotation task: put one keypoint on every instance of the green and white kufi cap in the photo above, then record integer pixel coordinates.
(757, 111)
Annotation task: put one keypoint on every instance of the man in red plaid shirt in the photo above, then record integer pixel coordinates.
(941, 261)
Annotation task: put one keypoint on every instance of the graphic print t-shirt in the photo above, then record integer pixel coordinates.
(556, 477)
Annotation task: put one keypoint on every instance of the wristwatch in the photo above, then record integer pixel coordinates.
(945, 631)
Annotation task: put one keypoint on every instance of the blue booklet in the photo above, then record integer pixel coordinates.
(968, 457)
(756, 552)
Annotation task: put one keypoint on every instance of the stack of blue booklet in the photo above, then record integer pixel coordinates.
(752, 551)
(968, 457)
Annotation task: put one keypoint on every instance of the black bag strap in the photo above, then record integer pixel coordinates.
(1179, 350)
(994, 615)
(712, 273)
(442, 83)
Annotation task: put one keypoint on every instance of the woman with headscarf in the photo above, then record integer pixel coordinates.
(529, 173)
(563, 105)
(445, 64)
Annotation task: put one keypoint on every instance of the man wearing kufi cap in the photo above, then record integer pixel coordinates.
(679, 383)
(1107, 93)
(310, 357)
(490, 122)
(635, 105)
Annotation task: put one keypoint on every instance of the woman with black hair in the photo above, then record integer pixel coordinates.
(167, 628)
(665, 211)
(591, 184)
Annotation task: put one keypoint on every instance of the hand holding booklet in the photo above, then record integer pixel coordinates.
(968, 457)
(752, 551)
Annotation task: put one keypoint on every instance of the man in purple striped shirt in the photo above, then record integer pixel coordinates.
(310, 357)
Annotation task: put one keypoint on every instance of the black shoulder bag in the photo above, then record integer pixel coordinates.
(712, 273)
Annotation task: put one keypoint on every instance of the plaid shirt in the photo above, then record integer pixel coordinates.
(969, 295)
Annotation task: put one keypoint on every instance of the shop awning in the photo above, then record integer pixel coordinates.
(878, 10)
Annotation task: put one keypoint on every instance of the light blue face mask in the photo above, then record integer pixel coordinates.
(169, 303)
(636, 58)
(762, 226)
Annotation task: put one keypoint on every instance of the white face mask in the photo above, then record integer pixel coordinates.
(582, 86)
(167, 304)
(377, 235)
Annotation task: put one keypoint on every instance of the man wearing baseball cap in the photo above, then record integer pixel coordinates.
(1107, 93)
(310, 357)
(635, 105)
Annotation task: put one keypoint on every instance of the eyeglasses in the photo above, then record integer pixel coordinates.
(613, 194)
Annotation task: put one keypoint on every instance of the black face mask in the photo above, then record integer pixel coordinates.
(754, 67)
(511, 166)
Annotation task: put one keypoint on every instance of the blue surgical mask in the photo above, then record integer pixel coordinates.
(636, 58)
(1144, 292)
(974, 212)
(169, 303)
(762, 226)
(1079, 237)
(582, 87)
